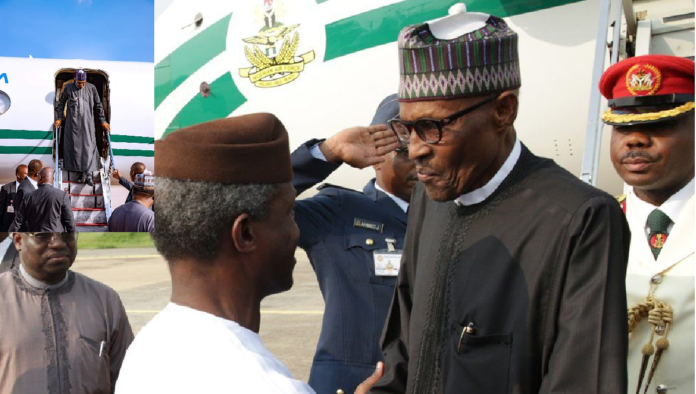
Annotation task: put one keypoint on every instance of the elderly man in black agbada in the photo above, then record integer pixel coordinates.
(512, 279)
(80, 153)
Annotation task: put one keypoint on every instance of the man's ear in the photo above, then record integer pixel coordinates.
(243, 233)
(18, 241)
(505, 110)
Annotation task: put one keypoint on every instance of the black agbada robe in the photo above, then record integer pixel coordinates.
(80, 151)
(538, 271)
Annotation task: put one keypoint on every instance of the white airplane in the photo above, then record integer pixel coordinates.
(29, 88)
(323, 65)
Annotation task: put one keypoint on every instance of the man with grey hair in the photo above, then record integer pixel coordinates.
(226, 253)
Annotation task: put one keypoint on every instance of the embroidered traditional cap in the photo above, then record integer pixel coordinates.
(250, 148)
(80, 75)
(464, 54)
(145, 182)
(648, 89)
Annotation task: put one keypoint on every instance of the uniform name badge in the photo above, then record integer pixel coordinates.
(388, 261)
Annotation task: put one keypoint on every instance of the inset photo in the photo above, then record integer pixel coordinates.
(76, 116)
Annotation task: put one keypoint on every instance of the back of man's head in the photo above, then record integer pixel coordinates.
(45, 176)
(137, 168)
(34, 167)
(237, 170)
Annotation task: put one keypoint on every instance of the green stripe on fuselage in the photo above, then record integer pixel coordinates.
(343, 37)
(173, 70)
(382, 26)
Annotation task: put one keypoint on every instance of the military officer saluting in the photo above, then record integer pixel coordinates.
(651, 100)
(354, 243)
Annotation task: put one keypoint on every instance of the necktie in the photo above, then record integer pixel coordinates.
(658, 222)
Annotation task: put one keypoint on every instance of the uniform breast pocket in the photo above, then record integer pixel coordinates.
(359, 250)
(480, 363)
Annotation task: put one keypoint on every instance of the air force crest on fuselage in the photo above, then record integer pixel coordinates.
(273, 51)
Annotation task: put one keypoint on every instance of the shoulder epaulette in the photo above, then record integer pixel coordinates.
(326, 185)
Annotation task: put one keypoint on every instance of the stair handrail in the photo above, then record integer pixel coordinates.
(106, 178)
(58, 173)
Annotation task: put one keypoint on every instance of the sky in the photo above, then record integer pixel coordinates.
(118, 30)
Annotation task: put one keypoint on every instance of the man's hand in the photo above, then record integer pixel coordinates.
(106, 127)
(116, 174)
(58, 122)
(369, 382)
(360, 147)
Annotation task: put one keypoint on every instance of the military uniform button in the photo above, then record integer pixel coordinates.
(657, 279)
(339, 391)
(662, 389)
(369, 241)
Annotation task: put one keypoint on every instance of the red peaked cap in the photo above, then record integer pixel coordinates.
(668, 75)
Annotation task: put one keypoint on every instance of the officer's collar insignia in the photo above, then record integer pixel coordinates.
(657, 240)
(643, 79)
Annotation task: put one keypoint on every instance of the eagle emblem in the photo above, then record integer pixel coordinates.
(643, 79)
(273, 52)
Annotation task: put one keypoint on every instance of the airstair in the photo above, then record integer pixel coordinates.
(637, 27)
(91, 205)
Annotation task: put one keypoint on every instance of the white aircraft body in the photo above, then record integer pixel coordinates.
(27, 97)
(218, 59)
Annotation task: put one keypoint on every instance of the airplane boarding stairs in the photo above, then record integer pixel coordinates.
(87, 202)
(91, 205)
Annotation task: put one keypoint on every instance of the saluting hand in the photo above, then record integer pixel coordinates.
(360, 147)
(365, 386)
(106, 127)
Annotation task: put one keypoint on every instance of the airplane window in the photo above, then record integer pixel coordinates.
(4, 102)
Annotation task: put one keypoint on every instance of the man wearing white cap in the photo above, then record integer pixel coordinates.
(512, 279)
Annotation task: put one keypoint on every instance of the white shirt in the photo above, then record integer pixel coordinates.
(183, 350)
(33, 182)
(16, 185)
(482, 193)
(403, 204)
(316, 153)
(672, 207)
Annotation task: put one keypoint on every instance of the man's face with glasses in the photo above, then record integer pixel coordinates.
(46, 256)
(453, 142)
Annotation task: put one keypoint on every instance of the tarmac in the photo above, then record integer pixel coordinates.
(290, 322)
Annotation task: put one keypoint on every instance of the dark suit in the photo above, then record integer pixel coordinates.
(356, 299)
(9, 259)
(126, 183)
(8, 193)
(25, 189)
(46, 210)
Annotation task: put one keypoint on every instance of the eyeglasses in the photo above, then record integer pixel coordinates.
(48, 237)
(430, 130)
